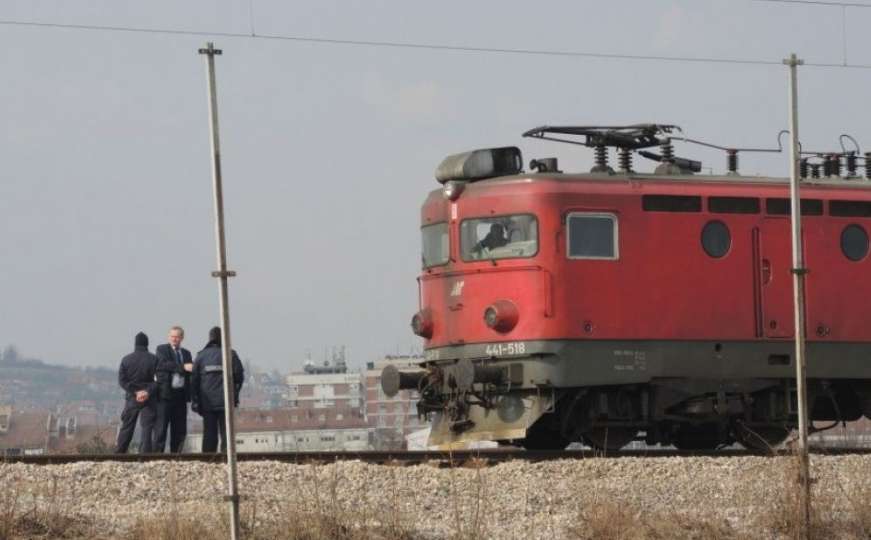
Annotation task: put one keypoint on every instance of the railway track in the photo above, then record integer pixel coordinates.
(441, 457)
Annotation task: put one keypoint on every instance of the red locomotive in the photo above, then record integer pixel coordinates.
(607, 306)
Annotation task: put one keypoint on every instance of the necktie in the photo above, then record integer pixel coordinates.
(177, 380)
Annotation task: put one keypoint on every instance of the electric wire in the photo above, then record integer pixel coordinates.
(428, 46)
(817, 3)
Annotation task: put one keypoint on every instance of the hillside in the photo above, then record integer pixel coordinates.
(33, 384)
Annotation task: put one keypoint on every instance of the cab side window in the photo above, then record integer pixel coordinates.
(436, 244)
(592, 236)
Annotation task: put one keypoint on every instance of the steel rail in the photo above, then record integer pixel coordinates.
(490, 455)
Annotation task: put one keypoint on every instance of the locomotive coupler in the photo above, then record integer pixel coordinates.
(462, 375)
(458, 377)
(449, 388)
(393, 380)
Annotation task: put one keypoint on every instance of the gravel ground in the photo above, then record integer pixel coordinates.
(508, 500)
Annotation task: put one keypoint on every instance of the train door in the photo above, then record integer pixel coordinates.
(775, 278)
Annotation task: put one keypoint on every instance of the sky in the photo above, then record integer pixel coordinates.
(328, 150)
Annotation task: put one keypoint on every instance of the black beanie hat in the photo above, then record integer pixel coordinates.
(141, 340)
(215, 335)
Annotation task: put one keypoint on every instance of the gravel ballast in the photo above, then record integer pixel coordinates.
(508, 500)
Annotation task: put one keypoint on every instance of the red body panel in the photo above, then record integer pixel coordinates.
(663, 286)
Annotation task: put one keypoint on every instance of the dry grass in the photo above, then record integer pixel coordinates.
(782, 515)
(847, 516)
(288, 526)
(316, 512)
(175, 527)
(469, 509)
(315, 515)
(612, 520)
(33, 519)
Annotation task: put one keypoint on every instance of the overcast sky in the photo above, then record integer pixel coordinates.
(106, 223)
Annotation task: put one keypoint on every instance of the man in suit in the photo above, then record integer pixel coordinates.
(136, 377)
(174, 392)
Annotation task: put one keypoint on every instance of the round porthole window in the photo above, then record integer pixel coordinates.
(854, 242)
(716, 239)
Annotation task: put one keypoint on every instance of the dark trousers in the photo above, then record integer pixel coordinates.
(147, 413)
(213, 423)
(172, 417)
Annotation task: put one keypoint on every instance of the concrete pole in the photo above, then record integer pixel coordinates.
(223, 274)
(798, 272)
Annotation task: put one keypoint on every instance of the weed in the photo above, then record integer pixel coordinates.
(39, 520)
(612, 520)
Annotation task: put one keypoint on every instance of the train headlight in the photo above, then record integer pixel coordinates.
(421, 324)
(452, 190)
(501, 316)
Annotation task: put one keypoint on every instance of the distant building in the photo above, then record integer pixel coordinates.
(5, 416)
(342, 391)
(85, 412)
(43, 432)
(321, 408)
(419, 440)
(337, 365)
(24, 433)
(391, 418)
(262, 390)
(853, 434)
(297, 430)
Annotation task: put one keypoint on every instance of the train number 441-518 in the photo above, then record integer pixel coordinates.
(506, 349)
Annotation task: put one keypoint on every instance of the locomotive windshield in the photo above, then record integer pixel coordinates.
(499, 237)
(435, 244)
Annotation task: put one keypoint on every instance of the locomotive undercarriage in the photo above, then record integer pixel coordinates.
(693, 415)
(539, 402)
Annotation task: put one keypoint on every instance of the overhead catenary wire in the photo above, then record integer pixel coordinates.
(818, 3)
(430, 46)
(827, 3)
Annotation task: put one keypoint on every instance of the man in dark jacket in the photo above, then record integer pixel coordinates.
(207, 390)
(174, 389)
(494, 239)
(136, 377)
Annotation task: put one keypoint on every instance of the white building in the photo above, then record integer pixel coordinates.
(286, 430)
(398, 412)
(324, 391)
(310, 440)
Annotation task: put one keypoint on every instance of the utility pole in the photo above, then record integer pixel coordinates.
(223, 274)
(798, 272)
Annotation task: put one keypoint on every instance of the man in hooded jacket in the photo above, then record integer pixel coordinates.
(207, 390)
(136, 377)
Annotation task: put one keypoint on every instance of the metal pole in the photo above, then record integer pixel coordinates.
(798, 271)
(222, 273)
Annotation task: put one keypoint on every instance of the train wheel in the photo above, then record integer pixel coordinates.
(703, 437)
(760, 438)
(542, 437)
(545, 441)
(610, 438)
(864, 395)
